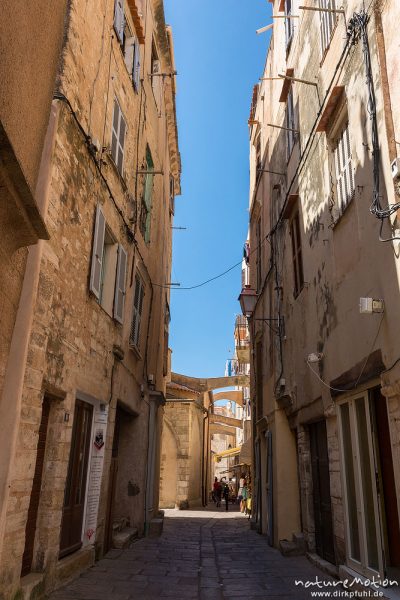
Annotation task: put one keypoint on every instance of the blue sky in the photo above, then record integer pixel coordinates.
(219, 58)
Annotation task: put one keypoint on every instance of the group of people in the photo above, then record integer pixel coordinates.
(222, 491)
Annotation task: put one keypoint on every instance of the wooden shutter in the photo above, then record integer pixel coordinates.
(129, 52)
(121, 143)
(97, 253)
(137, 312)
(119, 20)
(118, 137)
(344, 170)
(115, 131)
(136, 66)
(120, 287)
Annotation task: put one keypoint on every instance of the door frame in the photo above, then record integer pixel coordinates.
(360, 567)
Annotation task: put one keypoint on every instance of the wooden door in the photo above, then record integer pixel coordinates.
(30, 529)
(321, 491)
(387, 480)
(75, 490)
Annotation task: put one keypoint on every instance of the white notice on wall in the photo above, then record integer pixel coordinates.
(95, 472)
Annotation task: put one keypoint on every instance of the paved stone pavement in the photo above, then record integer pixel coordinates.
(203, 555)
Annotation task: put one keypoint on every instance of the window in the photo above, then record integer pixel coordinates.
(297, 257)
(343, 169)
(288, 24)
(118, 137)
(108, 269)
(145, 211)
(155, 75)
(327, 23)
(290, 124)
(131, 50)
(258, 255)
(134, 338)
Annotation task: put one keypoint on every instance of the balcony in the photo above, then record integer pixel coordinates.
(242, 340)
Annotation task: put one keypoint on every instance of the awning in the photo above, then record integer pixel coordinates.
(227, 453)
(245, 452)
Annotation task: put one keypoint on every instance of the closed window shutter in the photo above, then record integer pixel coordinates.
(121, 143)
(137, 312)
(97, 254)
(120, 288)
(344, 170)
(114, 135)
(118, 137)
(129, 52)
(119, 20)
(136, 66)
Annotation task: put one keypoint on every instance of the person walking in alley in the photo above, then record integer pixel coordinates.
(217, 491)
(226, 495)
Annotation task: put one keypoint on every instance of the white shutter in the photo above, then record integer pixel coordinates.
(97, 253)
(119, 20)
(120, 287)
(118, 137)
(136, 66)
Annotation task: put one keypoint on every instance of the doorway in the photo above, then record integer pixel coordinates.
(75, 490)
(363, 517)
(108, 543)
(321, 491)
(386, 480)
(30, 529)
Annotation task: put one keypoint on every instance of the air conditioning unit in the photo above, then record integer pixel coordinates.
(395, 167)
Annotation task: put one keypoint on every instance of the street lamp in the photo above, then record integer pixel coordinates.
(248, 299)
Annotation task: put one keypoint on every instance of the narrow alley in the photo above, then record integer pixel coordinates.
(201, 554)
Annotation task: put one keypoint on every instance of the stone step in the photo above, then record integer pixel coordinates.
(124, 538)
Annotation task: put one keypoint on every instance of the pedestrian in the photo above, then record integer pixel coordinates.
(244, 498)
(226, 495)
(216, 485)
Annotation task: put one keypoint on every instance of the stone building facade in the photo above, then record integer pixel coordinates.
(25, 100)
(323, 235)
(86, 461)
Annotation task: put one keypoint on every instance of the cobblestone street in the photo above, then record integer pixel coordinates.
(202, 554)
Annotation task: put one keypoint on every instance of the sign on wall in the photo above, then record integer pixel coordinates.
(96, 464)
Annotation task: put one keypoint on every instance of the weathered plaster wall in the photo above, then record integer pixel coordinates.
(342, 260)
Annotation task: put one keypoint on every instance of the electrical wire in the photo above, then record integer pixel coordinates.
(203, 283)
(358, 28)
(362, 369)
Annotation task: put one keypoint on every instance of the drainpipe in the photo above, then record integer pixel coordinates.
(11, 398)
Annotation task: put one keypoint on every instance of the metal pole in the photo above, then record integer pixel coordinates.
(282, 76)
(328, 10)
(285, 128)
